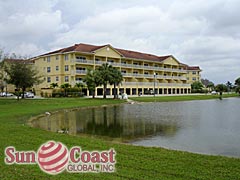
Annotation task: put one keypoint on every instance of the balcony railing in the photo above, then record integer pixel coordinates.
(152, 76)
(157, 84)
(81, 71)
(84, 61)
(131, 66)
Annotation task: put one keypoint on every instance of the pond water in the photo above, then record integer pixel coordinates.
(208, 126)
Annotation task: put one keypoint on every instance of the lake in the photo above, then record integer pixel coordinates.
(206, 127)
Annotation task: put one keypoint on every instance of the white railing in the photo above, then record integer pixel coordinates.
(81, 71)
(114, 64)
(157, 84)
(131, 66)
(152, 76)
(84, 61)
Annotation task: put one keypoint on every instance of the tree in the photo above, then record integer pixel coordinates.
(196, 86)
(22, 74)
(206, 82)
(229, 86)
(221, 88)
(80, 85)
(65, 87)
(237, 83)
(103, 77)
(2, 83)
(210, 86)
(90, 80)
(54, 85)
(116, 79)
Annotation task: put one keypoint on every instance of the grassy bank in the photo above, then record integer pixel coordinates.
(132, 162)
(179, 98)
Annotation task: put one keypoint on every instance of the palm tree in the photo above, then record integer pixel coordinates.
(116, 79)
(80, 85)
(54, 85)
(90, 80)
(103, 77)
(65, 87)
(210, 86)
(229, 86)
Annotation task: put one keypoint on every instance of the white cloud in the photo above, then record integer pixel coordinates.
(199, 32)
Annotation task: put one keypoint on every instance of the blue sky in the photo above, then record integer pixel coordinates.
(199, 32)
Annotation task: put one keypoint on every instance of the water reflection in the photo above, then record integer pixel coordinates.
(209, 126)
(124, 121)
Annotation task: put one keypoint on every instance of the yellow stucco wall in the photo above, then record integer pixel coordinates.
(107, 52)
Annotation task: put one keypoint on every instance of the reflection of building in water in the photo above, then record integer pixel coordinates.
(115, 122)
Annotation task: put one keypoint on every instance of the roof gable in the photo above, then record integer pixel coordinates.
(171, 60)
(108, 51)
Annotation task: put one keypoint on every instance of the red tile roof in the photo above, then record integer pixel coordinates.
(87, 48)
(186, 67)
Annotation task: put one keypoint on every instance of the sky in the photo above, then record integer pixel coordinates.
(196, 32)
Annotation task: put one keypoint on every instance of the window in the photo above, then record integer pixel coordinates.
(57, 58)
(194, 79)
(66, 67)
(135, 63)
(97, 59)
(110, 61)
(194, 72)
(145, 64)
(57, 78)
(135, 72)
(66, 79)
(124, 62)
(48, 69)
(66, 57)
(44, 59)
(81, 57)
(48, 79)
(57, 68)
(145, 72)
(78, 79)
(123, 71)
(48, 59)
(187, 78)
(80, 68)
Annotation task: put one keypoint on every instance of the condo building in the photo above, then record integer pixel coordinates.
(143, 73)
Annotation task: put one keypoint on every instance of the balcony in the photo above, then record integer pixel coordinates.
(157, 84)
(114, 63)
(152, 76)
(82, 61)
(100, 62)
(81, 72)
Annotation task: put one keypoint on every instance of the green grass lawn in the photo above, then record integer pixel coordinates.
(151, 98)
(133, 162)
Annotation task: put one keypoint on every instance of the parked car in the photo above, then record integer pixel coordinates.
(214, 93)
(28, 95)
(2, 94)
